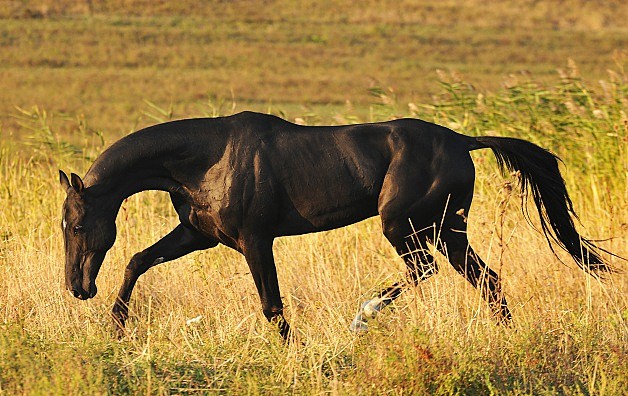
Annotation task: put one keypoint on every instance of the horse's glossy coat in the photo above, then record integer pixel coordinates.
(246, 179)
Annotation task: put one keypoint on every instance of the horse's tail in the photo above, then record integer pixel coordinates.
(539, 175)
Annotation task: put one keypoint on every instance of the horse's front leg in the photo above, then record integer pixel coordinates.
(179, 242)
(258, 252)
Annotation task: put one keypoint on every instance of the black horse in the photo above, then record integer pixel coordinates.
(246, 179)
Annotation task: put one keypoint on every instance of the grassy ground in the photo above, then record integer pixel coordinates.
(197, 328)
(196, 325)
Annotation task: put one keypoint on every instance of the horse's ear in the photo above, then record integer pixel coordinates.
(77, 183)
(63, 179)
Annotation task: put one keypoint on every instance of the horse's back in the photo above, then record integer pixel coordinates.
(261, 172)
(328, 177)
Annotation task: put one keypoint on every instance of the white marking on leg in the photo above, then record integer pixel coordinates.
(359, 324)
(158, 260)
(367, 311)
(372, 307)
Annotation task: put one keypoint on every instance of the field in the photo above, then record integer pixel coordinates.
(76, 76)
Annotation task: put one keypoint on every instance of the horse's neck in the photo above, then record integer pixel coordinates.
(117, 189)
(113, 188)
(137, 162)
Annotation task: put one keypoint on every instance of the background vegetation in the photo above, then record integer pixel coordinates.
(103, 59)
(75, 76)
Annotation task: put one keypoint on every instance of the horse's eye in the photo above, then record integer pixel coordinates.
(77, 229)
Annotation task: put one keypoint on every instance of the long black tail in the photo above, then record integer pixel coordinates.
(541, 177)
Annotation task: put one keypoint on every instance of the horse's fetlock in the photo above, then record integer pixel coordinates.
(119, 319)
(120, 310)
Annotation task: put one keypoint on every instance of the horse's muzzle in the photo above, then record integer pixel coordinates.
(81, 294)
(78, 294)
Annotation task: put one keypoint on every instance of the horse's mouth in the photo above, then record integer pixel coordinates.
(81, 294)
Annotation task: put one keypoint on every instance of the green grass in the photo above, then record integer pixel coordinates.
(82, 77)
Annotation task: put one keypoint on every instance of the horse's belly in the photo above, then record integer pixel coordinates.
(308, 218)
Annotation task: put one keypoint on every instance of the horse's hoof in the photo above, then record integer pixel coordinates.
(359, 324)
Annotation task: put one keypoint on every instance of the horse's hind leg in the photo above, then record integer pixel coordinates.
(452, 242)
(408, 213)
(413, 247)
(179, 242)
(455, 246)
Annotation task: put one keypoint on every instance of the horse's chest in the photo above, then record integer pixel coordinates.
(229, 202)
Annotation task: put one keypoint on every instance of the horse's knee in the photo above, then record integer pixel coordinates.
(140, 263)
(134, 264)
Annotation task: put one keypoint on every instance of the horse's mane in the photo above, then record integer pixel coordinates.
(144, 147)
(138, 149)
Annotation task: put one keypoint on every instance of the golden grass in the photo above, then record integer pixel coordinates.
(196, 325)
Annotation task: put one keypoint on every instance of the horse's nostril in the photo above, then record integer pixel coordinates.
(75, 293)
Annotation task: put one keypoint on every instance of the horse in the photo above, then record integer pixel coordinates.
(244, 180)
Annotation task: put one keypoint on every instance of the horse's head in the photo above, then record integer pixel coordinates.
(89, 230)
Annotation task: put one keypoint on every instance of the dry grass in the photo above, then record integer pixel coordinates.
(196, 325)
(570, 331)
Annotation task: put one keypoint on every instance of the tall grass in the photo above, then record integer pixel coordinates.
(196, 324)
